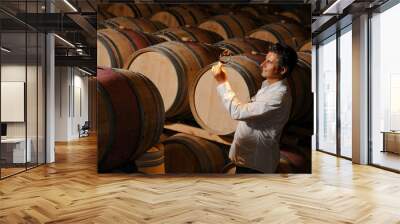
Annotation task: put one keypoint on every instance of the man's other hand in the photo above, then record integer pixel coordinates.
(219, 73)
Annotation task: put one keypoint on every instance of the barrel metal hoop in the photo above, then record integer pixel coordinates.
(190, 33)
(102, 91)
(274, 32)
(133, 20)
(194, 53)
(193, 16)
(225, 26)
(181, 73)
(135, 10)
(239, 24)
(133, 44)
(229, 46)
(110, 45)
(255, 48)
(293, 37)
(177, 16)
(111, 24)
(149, 8)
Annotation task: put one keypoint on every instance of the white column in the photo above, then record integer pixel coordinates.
(50, 100)
(360, 90)
(50, 92)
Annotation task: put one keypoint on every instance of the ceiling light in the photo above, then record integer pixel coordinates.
(65, 41)
(70, 5)
(5, 50)
(86, 72)
(338, 6)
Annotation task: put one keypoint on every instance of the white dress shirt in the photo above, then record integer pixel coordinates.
(256, 141)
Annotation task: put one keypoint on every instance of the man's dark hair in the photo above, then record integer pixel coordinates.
(287, 56)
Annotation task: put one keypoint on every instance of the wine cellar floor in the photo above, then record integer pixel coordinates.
(71, 191)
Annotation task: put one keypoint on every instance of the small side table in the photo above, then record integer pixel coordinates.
(391, 141)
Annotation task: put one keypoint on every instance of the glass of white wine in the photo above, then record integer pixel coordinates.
(225, 57)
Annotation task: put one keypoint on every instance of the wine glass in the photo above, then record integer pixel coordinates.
(225, 57)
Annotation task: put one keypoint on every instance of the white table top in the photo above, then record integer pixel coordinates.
(13, 140)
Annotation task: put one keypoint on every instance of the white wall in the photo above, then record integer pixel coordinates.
(71, 102)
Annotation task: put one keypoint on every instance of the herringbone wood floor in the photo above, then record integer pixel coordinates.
(70, 191)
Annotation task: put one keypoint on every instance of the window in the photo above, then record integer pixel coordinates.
(327, 96)
(346, 92)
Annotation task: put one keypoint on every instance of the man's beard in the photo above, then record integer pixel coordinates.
(264, 74)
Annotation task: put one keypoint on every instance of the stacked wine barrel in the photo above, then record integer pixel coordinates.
(127, 124)
(173, 47)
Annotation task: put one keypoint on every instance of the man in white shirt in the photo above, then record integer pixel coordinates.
(255, 147)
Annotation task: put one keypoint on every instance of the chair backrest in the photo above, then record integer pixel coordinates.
(86, 125)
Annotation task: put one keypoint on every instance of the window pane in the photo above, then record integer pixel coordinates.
(327, 96)
(385, 84)
(345, 94)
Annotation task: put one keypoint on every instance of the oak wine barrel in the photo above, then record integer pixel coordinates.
(114, 46)
(290, 34)
(172, 66)
(292, 161)
(189, 154)
(306, 47)
(179, 16)
(243, 73)
(244, 45)
(189, 33)
(229, 26)
(135, 10)
(152, 161)
(140, 24)
(127, 123)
